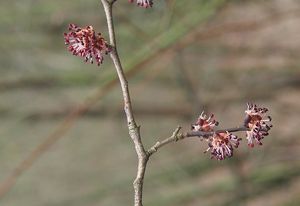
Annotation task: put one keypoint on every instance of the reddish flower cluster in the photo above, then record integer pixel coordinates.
(258, 124)
(86, 43)
(221, 142)
(143, 3)
(204, 123)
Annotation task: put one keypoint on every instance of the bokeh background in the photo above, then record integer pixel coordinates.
(180, 57)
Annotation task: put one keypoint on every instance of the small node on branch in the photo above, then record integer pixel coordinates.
(175, 133)
(155, 146)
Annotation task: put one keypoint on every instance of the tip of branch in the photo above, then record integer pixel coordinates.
(177, 130)
(175, 133)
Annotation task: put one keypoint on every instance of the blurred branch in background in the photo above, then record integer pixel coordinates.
(185, 82)
(248, 26)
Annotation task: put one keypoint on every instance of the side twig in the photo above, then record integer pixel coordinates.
(180, 136)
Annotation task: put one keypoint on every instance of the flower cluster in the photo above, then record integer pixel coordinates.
(143, 3)
(205, 123)
(86, 43)
(221, 143)
(258, 124)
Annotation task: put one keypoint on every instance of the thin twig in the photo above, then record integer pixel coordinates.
(134, 130)
(207, 134)
(174, 138)
(180, 136)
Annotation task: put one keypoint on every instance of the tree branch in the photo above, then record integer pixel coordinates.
(134, 130)
(174, 138)
(180, 136)
(207, 134)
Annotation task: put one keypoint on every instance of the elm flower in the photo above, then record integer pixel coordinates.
(86, 43)
(204, 123)
(221, 145)
(258, 124)
(143, 3)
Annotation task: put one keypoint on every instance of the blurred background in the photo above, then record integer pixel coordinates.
(63, 135)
